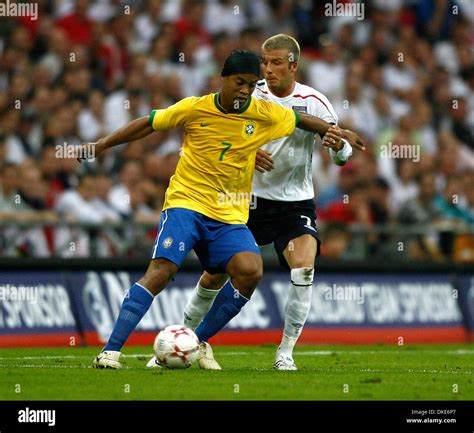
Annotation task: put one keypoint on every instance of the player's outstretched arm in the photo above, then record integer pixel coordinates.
(133, 130)
(313, 124)
(319, 126)
(353, 139)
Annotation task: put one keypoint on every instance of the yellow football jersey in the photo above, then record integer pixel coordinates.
(214, 173)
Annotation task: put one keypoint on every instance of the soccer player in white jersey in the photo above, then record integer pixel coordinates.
(284, 210)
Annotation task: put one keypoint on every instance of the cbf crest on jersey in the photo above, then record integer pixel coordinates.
(249, 128)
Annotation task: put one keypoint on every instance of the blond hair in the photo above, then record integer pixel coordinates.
(283, 42)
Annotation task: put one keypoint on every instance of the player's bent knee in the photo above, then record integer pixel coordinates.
(213, 282)
(246, 270)
(250, 275)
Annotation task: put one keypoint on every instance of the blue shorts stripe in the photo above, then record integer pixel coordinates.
(161, 231)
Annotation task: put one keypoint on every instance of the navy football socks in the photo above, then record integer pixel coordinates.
(134, 306)
(226, 305)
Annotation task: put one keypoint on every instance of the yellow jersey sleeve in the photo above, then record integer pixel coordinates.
(173, 116)
(284, 121)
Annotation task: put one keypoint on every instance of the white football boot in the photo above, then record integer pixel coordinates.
(206, 359)
(107, 359)
(284, 361)
(154, 363)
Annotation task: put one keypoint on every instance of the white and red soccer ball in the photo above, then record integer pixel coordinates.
(176, 347)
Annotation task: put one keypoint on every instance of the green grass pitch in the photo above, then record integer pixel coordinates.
(377, 372)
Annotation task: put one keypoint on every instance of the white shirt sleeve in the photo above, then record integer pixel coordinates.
(323, 109)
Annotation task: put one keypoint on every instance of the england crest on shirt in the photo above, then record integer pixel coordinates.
(299, 108)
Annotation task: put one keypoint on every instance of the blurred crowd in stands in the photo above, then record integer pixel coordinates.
(402, 75)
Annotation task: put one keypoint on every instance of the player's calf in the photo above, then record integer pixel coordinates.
(297, 310)
(202, 298)
(246, 271)
(158, 275)
(136, 303)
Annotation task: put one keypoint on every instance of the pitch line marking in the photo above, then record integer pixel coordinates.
(46, 366)
(303, 353)
(322, 370)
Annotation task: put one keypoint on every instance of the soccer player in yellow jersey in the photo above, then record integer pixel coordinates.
(283, 211)
(207, 202)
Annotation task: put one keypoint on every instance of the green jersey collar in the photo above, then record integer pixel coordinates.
(223, 110)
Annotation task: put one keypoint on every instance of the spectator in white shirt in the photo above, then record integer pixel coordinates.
(91, 121)
(404, 186)
(328, 74)
(119, 195)
(79, 205)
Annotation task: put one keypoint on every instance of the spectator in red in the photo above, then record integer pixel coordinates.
(354, 207)
(33, 23)
(191, 23)
(77, 25)
(336, 192)
(51, 172)
(110, 51)
(336, 242)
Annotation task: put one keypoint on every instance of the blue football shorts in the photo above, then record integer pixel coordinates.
(214, 242)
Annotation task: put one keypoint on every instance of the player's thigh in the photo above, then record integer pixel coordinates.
(266, 220)
(177, 235)
(301, 251)
(298, 245)
(225, 243)
(263, 230)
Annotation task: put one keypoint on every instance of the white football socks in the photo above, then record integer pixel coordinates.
(198, 305)
(297, 307)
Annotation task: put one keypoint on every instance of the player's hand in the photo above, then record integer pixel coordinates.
(353, 138)
(263, 161)
(333, 139)
(87, 151)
